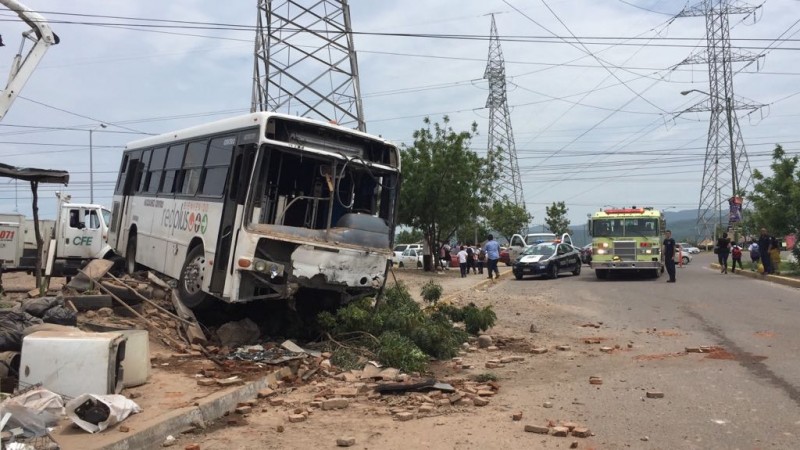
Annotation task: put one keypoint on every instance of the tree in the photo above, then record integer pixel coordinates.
(443, 182)
(508, 218)
(557, 218)
(468, 231)
(776, 199)
(411, 236)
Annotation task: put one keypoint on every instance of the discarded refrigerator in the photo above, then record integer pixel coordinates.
(73, 363)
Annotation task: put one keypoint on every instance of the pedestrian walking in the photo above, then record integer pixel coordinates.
(669, 255)
(764, 246)
(723, 251)
(481, 260)
(462, 261)
(492, 249)
(736, 257)
(754, 255)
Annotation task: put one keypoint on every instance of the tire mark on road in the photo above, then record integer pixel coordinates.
(752, 363)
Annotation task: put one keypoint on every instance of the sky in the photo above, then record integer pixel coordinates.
(597, 123)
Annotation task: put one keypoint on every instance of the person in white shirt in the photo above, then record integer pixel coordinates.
(462, 261)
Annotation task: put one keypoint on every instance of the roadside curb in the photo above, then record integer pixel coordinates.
(791, 282)
(206, 410)
(478, 285)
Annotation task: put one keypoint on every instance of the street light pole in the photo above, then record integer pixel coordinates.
(91, 163)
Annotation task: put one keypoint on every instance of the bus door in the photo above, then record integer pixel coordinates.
(242, 160)
(133, 171)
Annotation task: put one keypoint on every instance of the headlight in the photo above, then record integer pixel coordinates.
(601, 251)
(260, 266)
(648, 251)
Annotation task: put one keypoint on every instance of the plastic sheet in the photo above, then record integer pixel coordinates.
(119, 408)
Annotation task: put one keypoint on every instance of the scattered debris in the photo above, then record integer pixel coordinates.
(655, 394)
(563, 348)
(537, 429)
(547, 404)
(95, 413)
(346, 442)
(595, 380)
(517, 416)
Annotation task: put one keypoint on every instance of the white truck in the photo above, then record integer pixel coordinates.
(518, 243)
(77, 235)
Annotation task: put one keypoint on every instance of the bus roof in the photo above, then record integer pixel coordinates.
(239, 122)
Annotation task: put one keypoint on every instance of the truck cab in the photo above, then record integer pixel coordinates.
(518, 243)
(83, 231)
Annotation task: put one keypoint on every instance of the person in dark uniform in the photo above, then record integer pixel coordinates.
(764, 246)
(669, 255)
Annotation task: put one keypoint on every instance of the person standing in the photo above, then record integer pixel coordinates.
(481, 260)
(764, 246)
(492, 249)
(736, 257)
(462, 261)
(724, 249)
(470, 259)
(669, 255)
(754, 255)
(775, 256)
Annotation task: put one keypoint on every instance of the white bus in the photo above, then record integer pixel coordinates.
(259, 207)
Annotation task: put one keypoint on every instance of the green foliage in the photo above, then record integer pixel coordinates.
(431, 292)
(445, 183)
(468, 231)
(485, 377)
(399, 351)
(776, 199)
(478, 319)
(411, 236)
(346, 359)
(508, 218)
(556, 218)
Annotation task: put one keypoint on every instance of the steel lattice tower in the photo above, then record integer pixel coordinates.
(726, 170)
(502, 152)
(305, 61)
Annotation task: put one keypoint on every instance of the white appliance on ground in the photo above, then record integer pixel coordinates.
(72, 363)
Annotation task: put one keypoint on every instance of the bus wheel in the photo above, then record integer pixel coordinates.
(130, 255)
(190, 285)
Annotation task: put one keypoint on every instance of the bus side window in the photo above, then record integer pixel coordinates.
(215, 171)
(156, 167)
(193, 167)
(140, 183)
(122, 174)
(172, 169)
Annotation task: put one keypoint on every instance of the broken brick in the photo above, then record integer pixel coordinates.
(346, 442)
(537, 429)
(560, 431)
(517, 416)
(478, 401)
(581, 432)
(655, 394)
(295, 418)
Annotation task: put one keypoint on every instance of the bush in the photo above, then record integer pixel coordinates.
(431, 292)
(485, 377)
(477, 320)
(399, 333)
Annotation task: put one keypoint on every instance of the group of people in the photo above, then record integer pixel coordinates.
(765, 251)
(472, 259)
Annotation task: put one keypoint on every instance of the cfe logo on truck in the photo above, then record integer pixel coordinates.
(82, 240)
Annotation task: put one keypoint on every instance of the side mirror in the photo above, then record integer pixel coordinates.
(81, 225)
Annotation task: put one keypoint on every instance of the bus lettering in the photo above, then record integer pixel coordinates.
(7, 235)
(179, 219)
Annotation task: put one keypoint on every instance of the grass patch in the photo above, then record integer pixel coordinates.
(485, 377)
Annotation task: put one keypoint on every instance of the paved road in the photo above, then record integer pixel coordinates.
(746, 395)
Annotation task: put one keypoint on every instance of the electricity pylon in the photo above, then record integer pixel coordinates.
(305, 61)
(502, 152)
(726, 171)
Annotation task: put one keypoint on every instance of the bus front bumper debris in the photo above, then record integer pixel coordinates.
(317, 267)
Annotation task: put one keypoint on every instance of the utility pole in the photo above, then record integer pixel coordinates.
(501, 151)
(724, 133)
(305, 62)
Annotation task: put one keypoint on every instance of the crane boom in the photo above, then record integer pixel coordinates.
(22, 68)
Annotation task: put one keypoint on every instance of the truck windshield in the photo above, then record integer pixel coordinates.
(628, 227)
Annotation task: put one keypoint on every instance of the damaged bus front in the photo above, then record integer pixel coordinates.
(258, 207)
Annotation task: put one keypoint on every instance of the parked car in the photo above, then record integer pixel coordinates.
(505, 256)
(689, 248)
(411, 257)
(684, 257)
(400, 248)
(548, 259)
